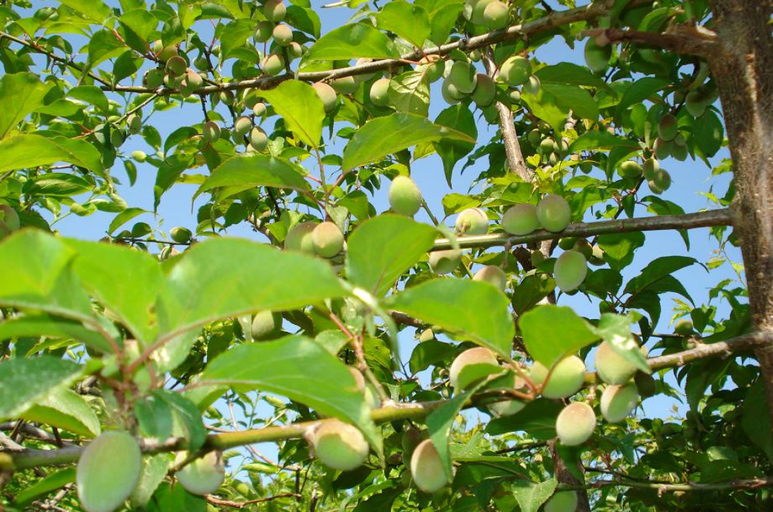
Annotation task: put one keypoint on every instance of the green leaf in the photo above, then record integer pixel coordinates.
(709, 134)
(386, 135)
(470, 308)
(546, 106)
(187, 418)
(531, 496)
(25, 151)
(103, 269)
(657, 270)
(429, 352)
(44, 486)
(552, 332)
(459, 118)
(154, 469)
(353, 41)
(93, 9)
(301, 108)
(395, 16)
(228, 277)
(124, 217)
(90, 94)
(382, 248)
(599, 139)
(640, 90)
(538, 419)
(23, 381)
(619, 248)
(575, 98)
(302, 370)
(20, 94)
(409, 92)
(241, 173)
(64, 409)
(51, 327)
(57, 184)
(104, 45)
(756, 418)
(234, 35)
(616, 331)
(154, 417)
(442, 15)
(571, 74)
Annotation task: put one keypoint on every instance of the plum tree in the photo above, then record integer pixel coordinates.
(483, 359)
(472, 221)
(611, 367)
(570, 270)
(379, 92)
(496, 15)
(445, 262)
(597, 56)
(565, 380)
(515, 71)
(103, 485)
(266, 325)
(404, 196)
(562, 501)
(327, 239)
(427, 469)
(339, 445)
(520, 219)
(575, 424)
(617, 402)
(554, 213)
(327, 94)
(492, 274)
(203, 475)
(299, 237)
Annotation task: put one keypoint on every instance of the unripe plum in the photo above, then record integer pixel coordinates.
(134, 123)
(263, 31)
(164, 53)
(404, 196)
(379, 92)
(646, 385)
(432, 67)
(479, 356)
(520, 219)
(294, 50)
(344, 85)
(176, 66)
(485, 90)
(495, 15)
(695, 103)
(273, 64)
(611, 367)
(274, 10)
(596, 56)
(410, 440)
(662, 148)
(508, 407)
(474, 11)
(566, 379)
(472, 221)
(668, 127)
(650, 167)
(202, 476)
(575, 424)
(554, 213)
(450, 94)
(108, 470)
(532, 86)
(258, 139)
(462, 76)
(515, 71)
(266, 325)
(427, 468)
(210, 131)
(570, 270)
(327, 239)
(153, 78)
(630, 169)
(617, 402)
(684, 327)
(259, 109)
(327, 94)
(181, 235)
(339, 445)
(282, 34)
(299, 237)
(139, 155)
(492, 274)
(660, 182)
(562, 501)
(242, 125)
(444, 262)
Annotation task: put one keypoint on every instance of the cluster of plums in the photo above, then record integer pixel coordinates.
(323, 239)
(173, 71)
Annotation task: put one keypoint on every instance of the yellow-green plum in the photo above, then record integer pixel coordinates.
(684, 327)
(344, 85)
(562, 501)
(650, 167)
(570, 270)
(554, 213)
(520, 219)
(474, 11)
(210, 131)
(139, 155)
(191, 82)
(660, 182)
(515, 71)
(153, 78)
(327, 239)
(339, 445)
(597, 56)
(662, 148)
(532, 86)
(242, 126)
(294, 50)
(584, 247)
(273, 64)
(164, 53)
(404, 196)
(445, 262)
(495, 15)
(108, 470)
(282, 34)
(695, 103)
(263, 31)
(485, 90)
(450, 94)
(176, 66)
(472, 221)
(646, 384)
(575, 424)
(201, 476)
(432, 66)
(274, 10)
(508, 407)
(611, 367)
(327, 94)
(462, 76)
(668, 127)
(259, 108)
(617, 402)
(473, 356)
(630, 169)
(379, 92)
(180, 234)
(565, 380)
(299, 237)
(258, 139)
(427, 468)
(492, 274)
(134, 124)
(266, 325)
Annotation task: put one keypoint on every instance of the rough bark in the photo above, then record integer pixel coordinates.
(744, 74)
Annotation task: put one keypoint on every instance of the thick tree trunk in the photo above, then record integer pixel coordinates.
(743, 70)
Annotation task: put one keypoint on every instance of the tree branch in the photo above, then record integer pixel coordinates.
(681, 39)
(723, 217)
(753, 483)
(241, 504)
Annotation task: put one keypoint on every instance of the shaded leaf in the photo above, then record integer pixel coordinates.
(552, 332)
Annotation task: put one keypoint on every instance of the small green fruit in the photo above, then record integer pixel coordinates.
(646, 385)
(668, 127)
(411, 439)
(432, 67)
(339, 445)
(328, 96)
(379, 92)
(344, 85)
(176, 66)
(282, 34)
(479, 357)
(263, 31)
(266, 325)
(242, 125)
(583, 247)
(191, 83)
(462, 76)
(450, 94)
(180, 235)
(164, 53)
(472, 221)
(444, 262)
(596, 56)
(404, 196)
(153, 78)
(117, 137)
(617, 402)
(520, 219)
(427, 469)
(684, 327)
(570, 270)
(611, 367)
(662, 148)
(485, 91)
(103, 483)
(201, 476)
(299, 237)
(295, 50)
(554, 213)
(495, 15)
(562, 501)
(507, 407)
(210, 131)
(515, 71)
(695, 104)
(327, 239)
(532, 86)
(134, 124)
(493, 275)
(139, 156)
(547, 145)
(650, 167)
(258, 139)
(201, 63)
(474, 11)
(660, 182)
(274, 10)
(227, 97)
(259, 109)
(575, 424)
(273, 64)
(630, 169)
(565, 380)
